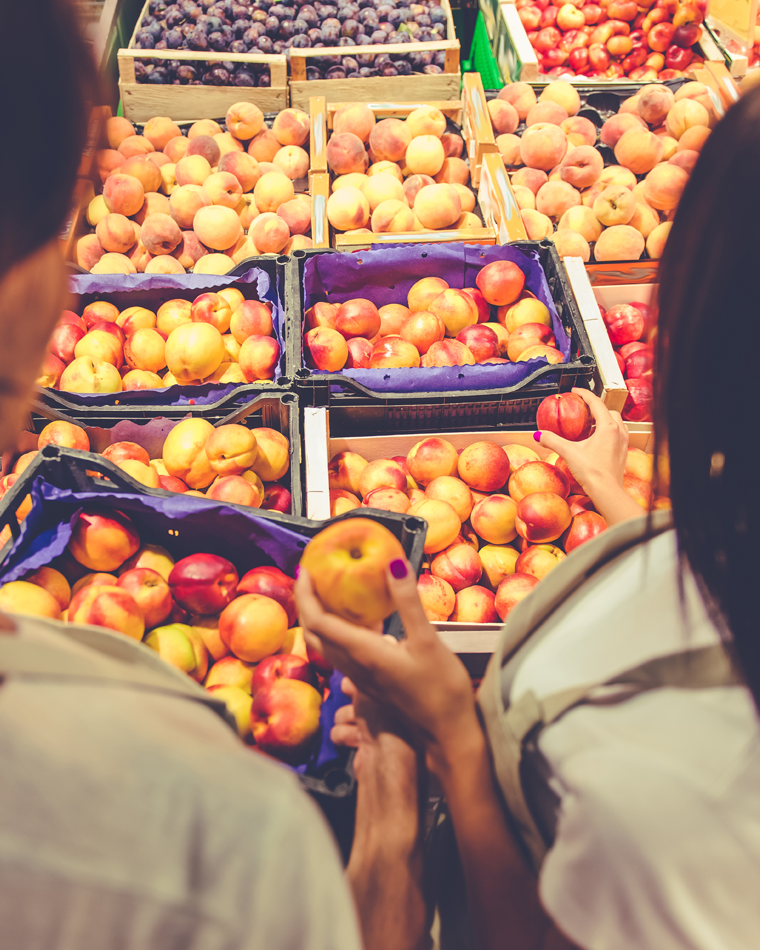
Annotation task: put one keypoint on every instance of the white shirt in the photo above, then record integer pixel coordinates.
(658, 838)
(138, 821)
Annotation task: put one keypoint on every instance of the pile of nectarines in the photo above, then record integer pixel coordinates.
(437, 326)
(200, 202)
(499, 516)
(217, 337)
(632, 331)
(559, 178)
(235, 635)
(397, 175)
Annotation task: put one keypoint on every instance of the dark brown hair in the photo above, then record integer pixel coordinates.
(46, 86)
(706, 397)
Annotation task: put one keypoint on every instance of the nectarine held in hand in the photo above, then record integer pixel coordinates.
(567, 415)
(347, 563)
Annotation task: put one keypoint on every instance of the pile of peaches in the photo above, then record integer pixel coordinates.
(438, 326)
(499, 516)
(218, 337)
(631, 328)
(235, 635)
(559, 178)
(610, 39)
(397, 175)
(200, 202)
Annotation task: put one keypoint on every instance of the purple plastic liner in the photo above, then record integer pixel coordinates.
(385, 275)
(211, 528)
(151, 290)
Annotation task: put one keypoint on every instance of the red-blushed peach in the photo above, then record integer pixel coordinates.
(497, 561)
(500, 282)
(65, 434)
(437, 597)
(356, 118)
(160, 234)
(437, 206)
(108, 606)
(424, 292)
(685, 159)
(342, 501)
(537, 477)
(484, 466)
(173, 313)
(484, 308)
(123, 194)
(244, 120)
(135, 145)
(481, 341)
(422, 329)
(526, 310)
(119, 452)
(150, 592)
(346, 154)
(102, 539)
(393, 216)
(293, 161)
(217, 227)
(537, 225)
(211, 308)
(357, 317)
(565, 414)
(520, 454)
(619, 243)
(617, 175)
(325, 349)
(539, 560)
(493, 519)
(664, 185)
(585, 526)
(251, 317)
(258, 357)
(144, 170)
(235, 490)
(639, 489)
(344, 471)
(542, 516)
(654, 103)
(448, 353)
(511, 591)
(296, 213)
(388, 499)
(556, 197)
(389, 140)
(264, 146)
(413, 185)
(618, 125)
(98, 579)
(546, 113)
(443, 523)
(88, 251)
(115, 233)
(430, 459)
(579, 131)
(100, 311)
(154, 203)
(474, 605)
(382, 473)
(521, 95)
(454, 491)
(531, 178)
(456, 309)
(323, 314)
(459, 565)
(117, 129)
(509, 149)
(269, 232)
(176, 148)
(527, 335)
(223, 188)
(573, 487)
(160, 130)
(504, 117)
(639, 150)
(291, 127)
(347, 209)
(394, 353)
(543, 146)
(455, 171)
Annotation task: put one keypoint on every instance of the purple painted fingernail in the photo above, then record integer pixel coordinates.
(537, 436)
(297, 571)
(398, 568)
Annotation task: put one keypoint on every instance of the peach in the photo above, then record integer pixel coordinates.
(389, 140)
(270, 233)
(173, 313)
(511, 591)
(579, 131)
(664, 185)
(619, 243)
(581, 167)
(392, 316)
(424, 292)
(185, 201)
(217, 227)
(493, 519)
(654, 104)
(582, 220)
(347, 209)
(168, 178)
(296, 214)
(165, 264)
(251, 318)
(356, 118)
(526, 335)
(542, 517)
(393, 217)
(426, 120)
(537, 225)
(454, 491)
(108, 606)
(291, 127)
(272, 190)
(521, 95)
(540, 351)
(436, 206)
(88, 251)
(537, 477)
(212, 308)
(123, 194)
(504, 117)
(159, 159)
(115, 233)
(571, 244)
(342, 501)
(497, 561)
(264, 146)
(466, 197)
(101, 345)
(500, 282)
(192, 170)
(639, 464)
(118, 452)
(556, 197)
(484, 466)
(685, 159)
(344, 471)
(66, 434)
(293, 161)
(135, 145)
(243, 167)
(453, 144)
(545, 112)
(145, 171)
(693, 138)
(458, 565)
(564, 94)
(114, 264)
(422, 329)
(144, 349)
(323, 314)
(359, 353)
(184, 454)
(412, 186)
(382, 187)
(531, 178)
(448, 353)
(617, 175)
(244, 120)
(617, 126)
(193, 351)
(325, 349)
(382, 473)
(686, 114)
(357, 317)
(224, 189)
(638, 150)
(215, 263)
(235, 490)
(657, 239)
(273, 456)
(615, 205)
(539, 559)
(437, 597)
(346, 154)
(394, 353)
(154, 203)
(54, 583)
(176, 148)
(102, 538)
(430, 459)
(644, 219)
(160, 234)
(86, 374)
(454, 171)
(543, 147)
(227, 143)
(443, 523)
(639, 489)
(387, 499)
(484, 308)
(456, 309)
(383, 168)
(481, 341)
(118, 129)
(474, 605)
(258, 357)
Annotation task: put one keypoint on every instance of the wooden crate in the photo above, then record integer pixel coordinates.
(320, 447)
(143, 101)
(418, 87)
(501, 216)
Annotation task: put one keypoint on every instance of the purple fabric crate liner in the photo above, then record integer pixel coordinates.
(151, 290)
(385, 275)
(246, 540)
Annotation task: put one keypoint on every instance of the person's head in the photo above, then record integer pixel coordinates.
(706, 397)
(46, 90)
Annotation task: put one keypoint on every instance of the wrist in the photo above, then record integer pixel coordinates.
(453, 753)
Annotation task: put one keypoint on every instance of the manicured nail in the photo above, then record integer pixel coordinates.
(537, 436)
(297, 571)
(398, 568)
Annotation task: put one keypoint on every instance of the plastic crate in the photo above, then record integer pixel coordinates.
(59, 482)
(481, 57)
(151, 290)
(355, 406)
(277, 409)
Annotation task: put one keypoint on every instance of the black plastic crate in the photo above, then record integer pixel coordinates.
(354, 407)
(82, 408)
(248, 406)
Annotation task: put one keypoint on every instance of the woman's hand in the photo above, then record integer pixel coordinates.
(420, 678)
(598, 463)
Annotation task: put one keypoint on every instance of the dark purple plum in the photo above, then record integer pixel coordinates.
(265, 80)
(346, 41)
(335, 72)
(217, 77)
(244, 78)
(379, 36)
(432, 70)
(159, 75)
(312, 72)
(217, 42)
(145, 40)
(186, 73)
(174, 39)
(349, 64)
(264, 44)
(315, 35)
(286, 29)
(273, 26)
(301, 41)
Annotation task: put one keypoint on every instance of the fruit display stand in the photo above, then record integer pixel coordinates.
(432, 399)
(322, 443)
(149, 426)
(416, 87)
(60, 485)
(517, 59)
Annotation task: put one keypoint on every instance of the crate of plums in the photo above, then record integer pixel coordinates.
(193, 60)
(374, 50)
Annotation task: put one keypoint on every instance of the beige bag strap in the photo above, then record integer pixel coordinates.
(111, 661)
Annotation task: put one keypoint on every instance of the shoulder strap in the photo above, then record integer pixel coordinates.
(109, 661)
